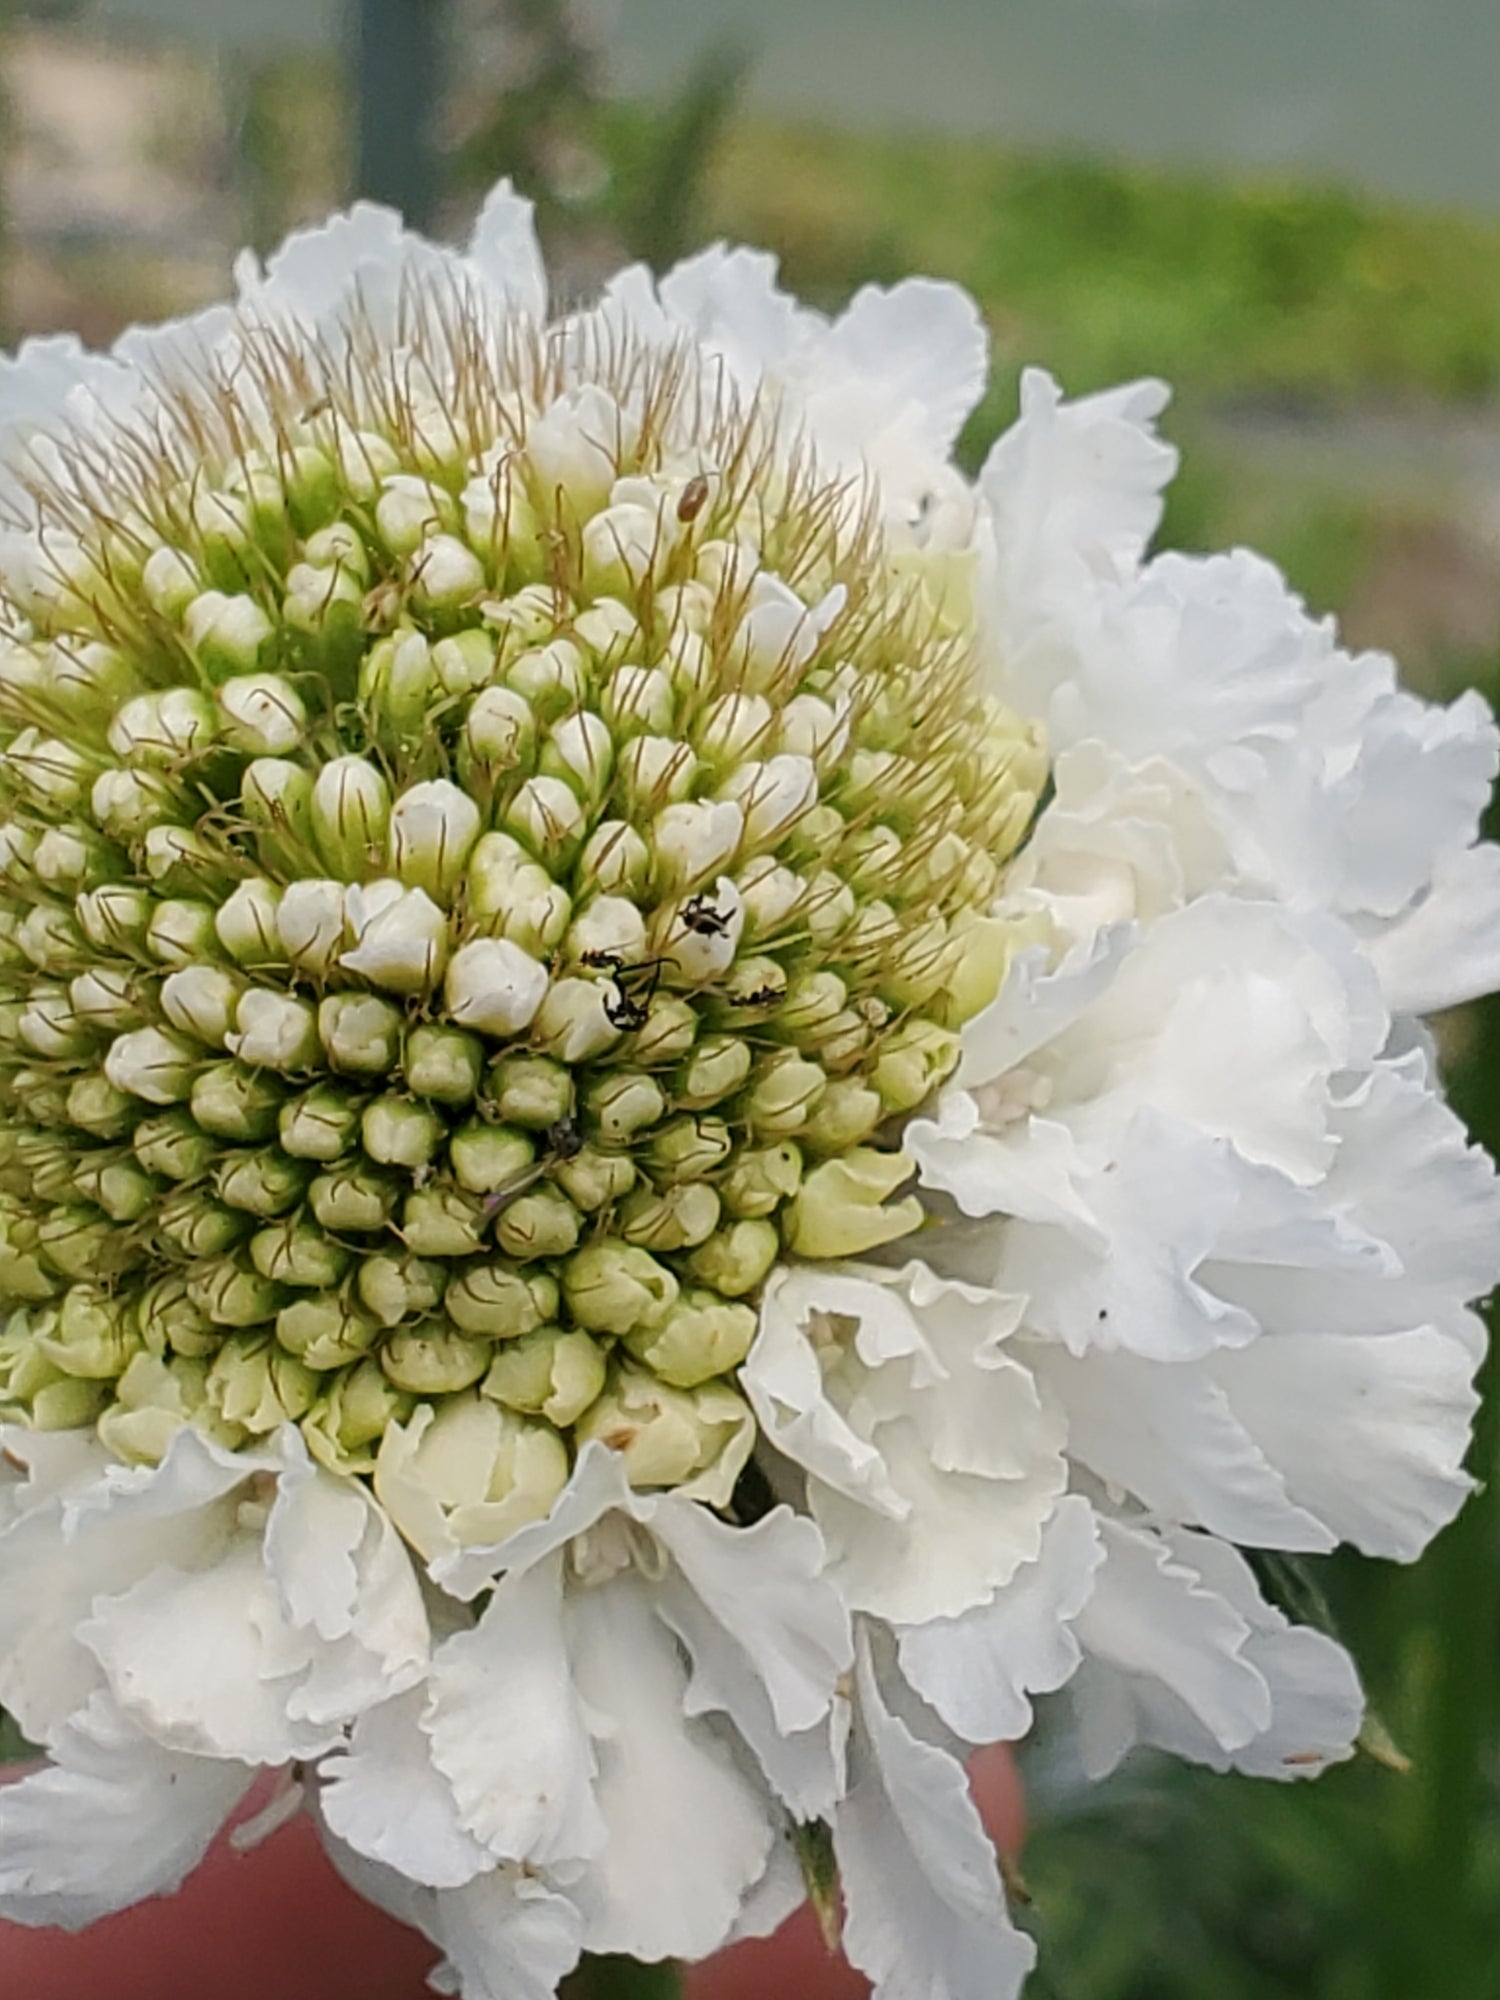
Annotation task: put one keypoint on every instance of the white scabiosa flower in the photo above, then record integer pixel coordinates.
(525, 881)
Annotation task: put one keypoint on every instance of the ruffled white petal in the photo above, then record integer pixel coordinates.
(507, 1729)
(978, 1671)
(967, 1460)
(111, 1819)
(924, 1913)
(1165, 1657)
(689, 1830)
(384, 1796)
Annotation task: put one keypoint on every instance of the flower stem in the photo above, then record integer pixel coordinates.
(622, 1979)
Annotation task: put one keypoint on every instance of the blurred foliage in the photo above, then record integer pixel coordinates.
(13, 1745)
(1109, 270)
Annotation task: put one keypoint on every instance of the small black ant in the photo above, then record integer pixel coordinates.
(622, 1011)
(704, 919)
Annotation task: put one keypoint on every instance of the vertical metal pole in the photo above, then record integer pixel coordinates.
(396, 60)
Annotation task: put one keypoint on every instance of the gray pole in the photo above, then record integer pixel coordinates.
(396, 62)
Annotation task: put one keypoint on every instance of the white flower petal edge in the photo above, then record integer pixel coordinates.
(924, 1912)
(110, 1819)
(1332, 788)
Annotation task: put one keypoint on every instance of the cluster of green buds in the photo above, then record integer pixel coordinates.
(481, 880)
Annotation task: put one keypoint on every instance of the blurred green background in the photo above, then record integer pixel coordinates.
(1299, 226)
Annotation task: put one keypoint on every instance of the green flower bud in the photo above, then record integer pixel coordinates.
(69, 859)
(170, 1320)
(198, 1227)
(105, 1000)
(174, 1146)
(295, 1253)
(580, 752)
(499, 733)
(155, 1066)
(182, 932)
(464, 663)
(98, 1108)
(397, 1133)
(162, 731)
(846, 1113)
(353, 1198)
(738, 1258)
(235, 1102)
(592, 1179)
(445, 574)
(230, 635)
(200, 1001)
(396, 682)
(495, 1302)
(434, 1359)
(263, 715)
(351, 810)
(672, 1220)
(33, 1390)
(913, 1061)
(553, 678)
(409, 509)
(128, 804)
(783, 1095)
(716, 1069)
(276, 795)
(355, 1410)
(530, 1090)
(623, 1103)
(263, 1183)
(255, 1383)
(668, 1031)
(155, 1399)
(843, 1208)
(170, 581)
(494, 986)
(702, 1336)
(615, 860)
(361, 1033)
(468, 1472)
(92, 1335)
(574, 1022)
(488, 1158)
(118, 1187)
(442, 1222)
(275, 1031)
(321, 1124)
(547, 1373)
(433, 828)
(248, 925)
(693, 1440)
(444, 1064)
(325, 1333)
(393, 1287)
(114, 917)
(310, 925)
(614, 1287)
(545, 815)
(541, 1223)
(231, 1293)
(760, 1180)
(688, 1149)
(23, 1272)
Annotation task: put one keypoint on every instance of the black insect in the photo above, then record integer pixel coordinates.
(763, 996)
(623, 1011)
(564, 1140)
(704, 918)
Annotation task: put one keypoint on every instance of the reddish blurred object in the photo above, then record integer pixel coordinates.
(278, 1924)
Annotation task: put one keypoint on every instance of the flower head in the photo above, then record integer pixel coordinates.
(531, 871)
